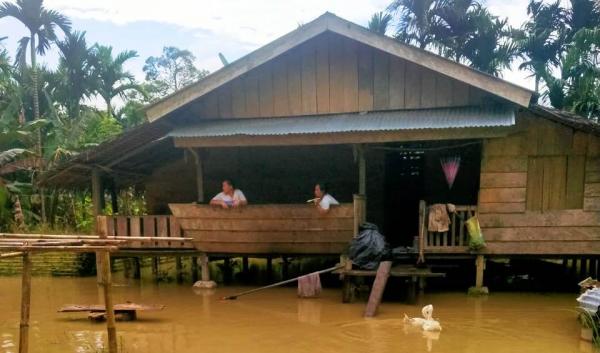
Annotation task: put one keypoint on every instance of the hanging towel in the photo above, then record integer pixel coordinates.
(439, 221)
(309, 286)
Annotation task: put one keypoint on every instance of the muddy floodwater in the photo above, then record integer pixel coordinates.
(276, 321)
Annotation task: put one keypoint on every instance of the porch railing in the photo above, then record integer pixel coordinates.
(163, 229)
(455, 240)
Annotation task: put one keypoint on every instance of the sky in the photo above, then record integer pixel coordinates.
(232, 27)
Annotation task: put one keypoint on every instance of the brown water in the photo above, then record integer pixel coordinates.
(276, 321)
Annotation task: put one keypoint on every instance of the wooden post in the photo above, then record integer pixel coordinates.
(108, 303)
(114, 198)
(362, 169)
(102, 231)
(97, 192)
(245, 265)
(479, 289)
(422, 212)
(383, 273)
(269, 267)
(178, 269)
(359, 212)
(194, 269)
(155, 268)
(25, 303)
(480, 266)
(137, 273)
(204, 270)
(199, 174)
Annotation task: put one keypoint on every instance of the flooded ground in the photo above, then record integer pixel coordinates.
(276, 321)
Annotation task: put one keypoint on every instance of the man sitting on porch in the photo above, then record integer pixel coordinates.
(323, 200)
(229, 197)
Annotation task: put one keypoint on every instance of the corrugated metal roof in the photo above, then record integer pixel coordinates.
(465, 117)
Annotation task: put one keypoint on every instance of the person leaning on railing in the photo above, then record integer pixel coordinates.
(230, 197)
(323, 201)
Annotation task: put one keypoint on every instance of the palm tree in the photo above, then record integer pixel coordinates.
(490, 47)
(582, 14)
(41, 24)
(112, 78)
(457, 22)
(379, 22)
(74, 72)
(415, 22)
(541, 39)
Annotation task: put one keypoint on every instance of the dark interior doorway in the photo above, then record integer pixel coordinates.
(413, 172)
(404, 184)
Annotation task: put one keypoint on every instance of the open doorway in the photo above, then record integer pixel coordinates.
(414, 172)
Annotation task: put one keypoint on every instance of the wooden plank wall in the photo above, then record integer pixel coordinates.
(333, 74)
(540, 190)
(267, 229)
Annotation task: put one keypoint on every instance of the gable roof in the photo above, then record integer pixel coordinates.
(330, 22)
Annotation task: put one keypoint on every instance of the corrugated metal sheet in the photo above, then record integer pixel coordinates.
(447, 118)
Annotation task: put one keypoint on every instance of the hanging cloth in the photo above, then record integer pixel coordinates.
(439, 221)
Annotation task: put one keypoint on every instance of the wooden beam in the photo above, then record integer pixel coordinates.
(25, 303)
(383, 273)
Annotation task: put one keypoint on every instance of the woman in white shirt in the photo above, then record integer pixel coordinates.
(229, 197)
(323, 200)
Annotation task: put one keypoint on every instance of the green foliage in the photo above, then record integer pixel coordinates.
(380, 22)
(173, 70)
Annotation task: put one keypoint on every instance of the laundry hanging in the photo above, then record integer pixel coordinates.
(450, 167)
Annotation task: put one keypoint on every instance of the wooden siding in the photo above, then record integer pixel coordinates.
(540, 190)
(267, 229)
(333, 74)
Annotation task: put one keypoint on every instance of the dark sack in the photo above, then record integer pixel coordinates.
(368, 248)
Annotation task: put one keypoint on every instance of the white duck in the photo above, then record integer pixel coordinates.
(427, 323)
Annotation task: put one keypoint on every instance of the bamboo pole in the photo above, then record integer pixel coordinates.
(108, 302)
(25, 304)
(89, 237)
(66, 248)
(11, 254)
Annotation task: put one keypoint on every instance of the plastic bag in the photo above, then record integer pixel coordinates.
(476, 241)
(368, 248)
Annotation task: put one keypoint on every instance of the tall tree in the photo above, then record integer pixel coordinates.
(111, 77)
(41, 24)
(541, 38)
(380, 22)
(173, 70)
(415, 21)
(74, 73)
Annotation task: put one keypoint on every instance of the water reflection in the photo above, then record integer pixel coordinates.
(276, 320)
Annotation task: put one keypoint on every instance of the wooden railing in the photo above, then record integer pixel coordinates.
(164, 230)
(271, 228)
(455, 240)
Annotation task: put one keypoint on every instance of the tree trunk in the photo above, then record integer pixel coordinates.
(36, 116)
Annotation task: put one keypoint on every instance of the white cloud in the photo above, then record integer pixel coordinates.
(253, 22)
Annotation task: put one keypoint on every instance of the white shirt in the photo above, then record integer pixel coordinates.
(238, 195)
(327, 201)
